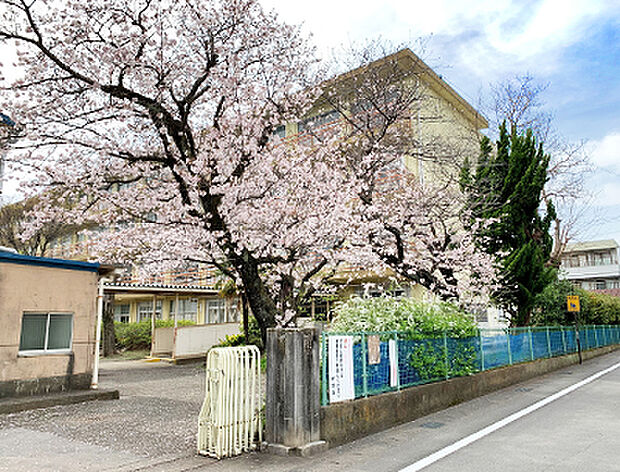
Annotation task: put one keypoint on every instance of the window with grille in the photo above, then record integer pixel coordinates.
(121, 313)
(188, 309)
(233, 312)
(145, 310)
(215, 311)
(46, 333)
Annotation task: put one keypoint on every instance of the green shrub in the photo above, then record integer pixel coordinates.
(603, 309)
(424, 322)
(136, 336)
(254, 336)
(596, 308)
(429, 359)
(419, 319)
(232, 340)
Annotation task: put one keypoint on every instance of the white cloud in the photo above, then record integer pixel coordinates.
(605, 181)
(605, 153)
(553, 23)
(609, 195)
(498, 36)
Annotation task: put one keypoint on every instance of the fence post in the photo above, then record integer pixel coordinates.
(364, 365)
(292, 408)
(529, 329)
(604, 336)
(397, 362)
(445, 354)
(324, 369)
(481, 351)
(596, 336)
(578, 343)
(548, 342)
(509, 349)
(563, 339)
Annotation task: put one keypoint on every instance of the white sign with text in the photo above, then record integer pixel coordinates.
(393, 362)
(340, 357)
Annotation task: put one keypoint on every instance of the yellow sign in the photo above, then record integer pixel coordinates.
(573, 302)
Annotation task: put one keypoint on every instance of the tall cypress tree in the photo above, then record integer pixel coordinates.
(504, 191)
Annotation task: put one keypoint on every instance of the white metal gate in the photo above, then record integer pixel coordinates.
(230, 421)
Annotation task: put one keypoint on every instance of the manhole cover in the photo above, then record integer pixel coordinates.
(432, 425)
(523, 389)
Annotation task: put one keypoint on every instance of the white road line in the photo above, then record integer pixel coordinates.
(428, 460)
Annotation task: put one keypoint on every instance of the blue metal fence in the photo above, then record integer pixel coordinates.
(439, 358)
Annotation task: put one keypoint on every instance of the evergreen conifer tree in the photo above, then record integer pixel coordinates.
(504, 192)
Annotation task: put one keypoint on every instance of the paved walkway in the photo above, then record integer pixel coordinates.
(155, 420)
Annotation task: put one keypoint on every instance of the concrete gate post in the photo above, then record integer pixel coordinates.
(292, 409)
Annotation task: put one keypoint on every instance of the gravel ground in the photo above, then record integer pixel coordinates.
(156, 415)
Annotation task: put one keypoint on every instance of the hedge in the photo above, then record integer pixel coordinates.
(135, 336)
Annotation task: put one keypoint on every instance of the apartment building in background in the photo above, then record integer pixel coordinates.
(592, 265)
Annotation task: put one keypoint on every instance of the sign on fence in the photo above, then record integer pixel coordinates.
(374, 350)
(340, 361)
(393, 363)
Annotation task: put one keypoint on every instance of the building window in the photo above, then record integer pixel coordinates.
(600, 285)
(145, 310)
(233, 311)
(188, 309)
(215, 310)
(280, 131)
(318, 121)
(46, 332)
(121, 313)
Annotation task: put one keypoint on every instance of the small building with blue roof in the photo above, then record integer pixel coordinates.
(48, 315)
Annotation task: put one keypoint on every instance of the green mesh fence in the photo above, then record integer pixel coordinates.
(434, 359)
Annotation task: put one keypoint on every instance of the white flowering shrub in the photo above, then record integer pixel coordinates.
(418, 319)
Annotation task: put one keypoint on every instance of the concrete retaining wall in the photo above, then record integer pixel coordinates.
(44, 385)
(348, 421)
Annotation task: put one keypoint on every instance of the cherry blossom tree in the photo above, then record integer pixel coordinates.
(158, 120)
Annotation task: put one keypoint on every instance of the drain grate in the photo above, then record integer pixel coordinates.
(432, 425)
(523, 389)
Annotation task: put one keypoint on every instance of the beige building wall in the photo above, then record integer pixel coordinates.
(29, 288)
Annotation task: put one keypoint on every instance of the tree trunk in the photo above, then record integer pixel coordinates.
(246, 321)
(109, 338)
(261, 303)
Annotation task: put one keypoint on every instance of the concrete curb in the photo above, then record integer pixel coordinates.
(347, 421)
(16, 404)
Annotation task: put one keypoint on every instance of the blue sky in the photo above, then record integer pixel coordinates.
(571, 45)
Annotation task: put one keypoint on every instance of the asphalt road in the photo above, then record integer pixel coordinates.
(579, 431)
